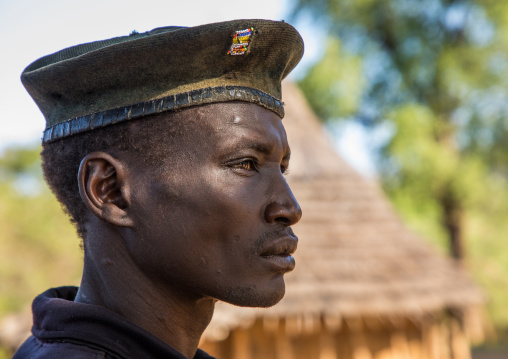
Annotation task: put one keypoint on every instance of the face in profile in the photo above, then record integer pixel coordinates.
(214, 220)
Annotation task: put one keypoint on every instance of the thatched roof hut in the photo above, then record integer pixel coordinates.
(365, 287)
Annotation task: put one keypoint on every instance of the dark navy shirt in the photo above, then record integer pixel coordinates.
(65, 329)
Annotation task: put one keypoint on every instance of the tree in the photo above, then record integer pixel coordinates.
(40, 248)
(437, 72)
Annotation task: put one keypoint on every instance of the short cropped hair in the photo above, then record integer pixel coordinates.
(150, 139)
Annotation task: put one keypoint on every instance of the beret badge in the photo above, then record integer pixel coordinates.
(241, 42)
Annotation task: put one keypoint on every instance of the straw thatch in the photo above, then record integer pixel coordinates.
(355, 257)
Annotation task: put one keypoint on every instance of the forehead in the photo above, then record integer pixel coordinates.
(239, 121)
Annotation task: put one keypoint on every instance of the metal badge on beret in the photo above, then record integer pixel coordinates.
(102, 83)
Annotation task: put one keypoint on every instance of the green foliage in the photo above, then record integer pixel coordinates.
(330, 98)
(40, 248)
(488, 254)
(18, 161)
(425, 168)
(5, 353)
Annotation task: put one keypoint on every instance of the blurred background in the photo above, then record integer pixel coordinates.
(413, 96)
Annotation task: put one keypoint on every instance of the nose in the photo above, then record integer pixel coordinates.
(284, 208)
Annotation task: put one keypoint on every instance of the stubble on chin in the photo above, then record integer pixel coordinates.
(251, 296)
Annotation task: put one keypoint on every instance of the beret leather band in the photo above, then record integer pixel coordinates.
(101, 83)
(169, 103)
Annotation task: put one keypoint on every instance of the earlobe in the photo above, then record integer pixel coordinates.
(104, 188)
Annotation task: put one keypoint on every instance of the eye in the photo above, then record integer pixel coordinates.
(248, 165)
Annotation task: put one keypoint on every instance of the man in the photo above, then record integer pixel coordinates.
(167, 150)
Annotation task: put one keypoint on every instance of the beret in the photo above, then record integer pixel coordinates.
(101, 83)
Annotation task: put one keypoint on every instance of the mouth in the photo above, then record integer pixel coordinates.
(278, 255)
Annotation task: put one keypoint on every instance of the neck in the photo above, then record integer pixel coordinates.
(112, 280)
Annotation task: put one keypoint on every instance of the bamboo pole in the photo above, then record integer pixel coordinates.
(293, 325)
(459, 342)
(327, 348)
(283, 347)
(399, 345)
(359, 345)
(241, 344)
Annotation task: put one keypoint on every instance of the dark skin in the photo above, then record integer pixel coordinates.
(211, 223)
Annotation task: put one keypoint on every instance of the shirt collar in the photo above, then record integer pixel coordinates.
(58, 318)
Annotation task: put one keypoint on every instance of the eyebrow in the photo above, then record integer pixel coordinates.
(263, 148)
(260, 147)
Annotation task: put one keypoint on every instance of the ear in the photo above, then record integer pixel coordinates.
(104, 188)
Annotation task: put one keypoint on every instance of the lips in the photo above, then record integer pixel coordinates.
(278, 254)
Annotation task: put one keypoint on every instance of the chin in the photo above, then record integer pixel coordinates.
(252, 296)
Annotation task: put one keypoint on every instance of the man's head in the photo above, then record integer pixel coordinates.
(191, 182)
(209, 209)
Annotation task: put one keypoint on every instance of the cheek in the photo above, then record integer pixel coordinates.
(211, 218)
(235, 204)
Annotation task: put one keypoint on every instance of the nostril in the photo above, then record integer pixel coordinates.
(283, 220)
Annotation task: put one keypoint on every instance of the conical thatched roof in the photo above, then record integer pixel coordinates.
(355, 258)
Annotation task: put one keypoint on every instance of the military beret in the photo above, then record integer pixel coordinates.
(100, 83)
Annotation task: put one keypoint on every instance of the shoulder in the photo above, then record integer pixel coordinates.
(33, 348)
